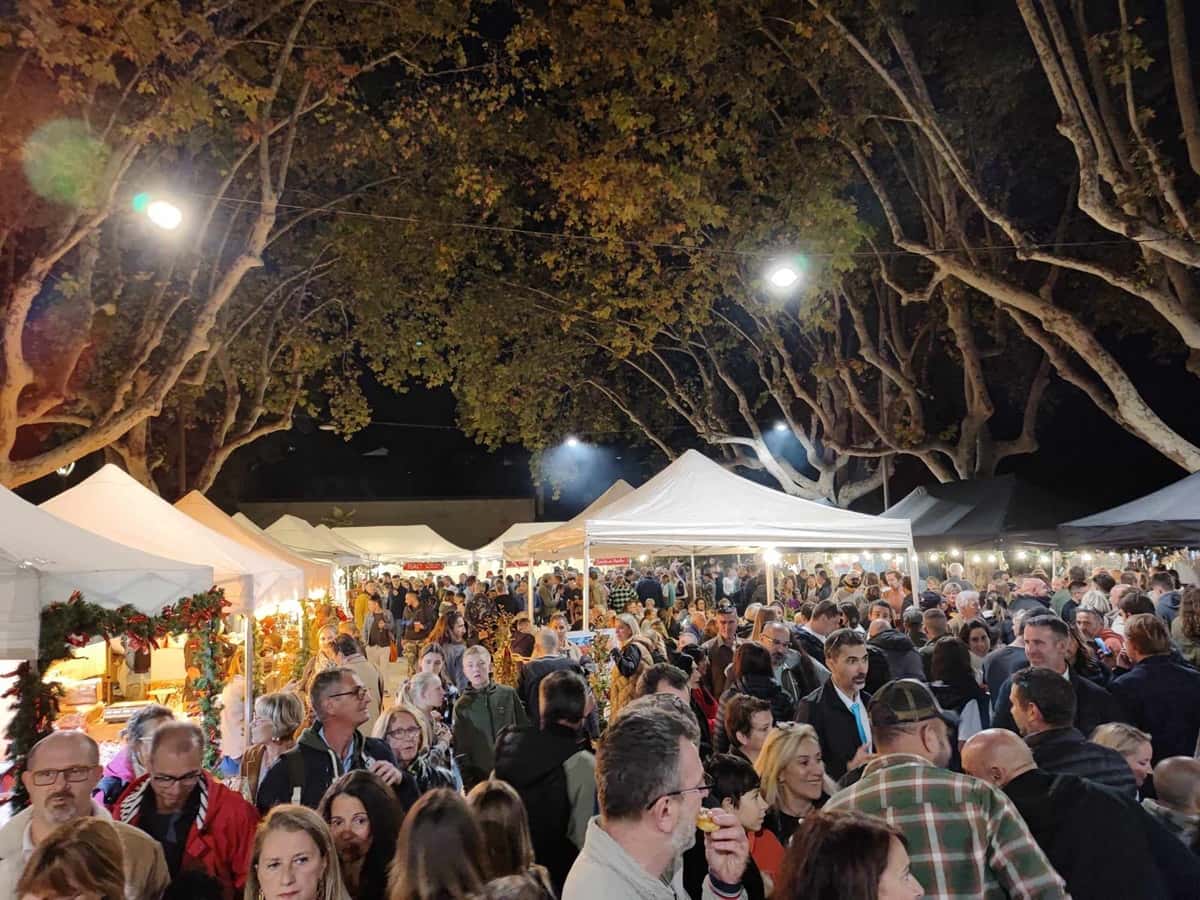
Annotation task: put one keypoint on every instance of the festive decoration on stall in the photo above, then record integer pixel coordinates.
(74, 624)
(499, 643)
(598, 679)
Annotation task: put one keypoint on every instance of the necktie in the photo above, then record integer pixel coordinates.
(856, 708)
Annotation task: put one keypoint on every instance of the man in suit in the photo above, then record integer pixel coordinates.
(838, 709)
(1046, 639)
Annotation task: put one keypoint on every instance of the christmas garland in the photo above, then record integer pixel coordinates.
(66, 626)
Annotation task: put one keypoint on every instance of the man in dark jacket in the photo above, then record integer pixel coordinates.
(903, 659)
(811, 637)
(480, 714)
(1046, 643)
(838, 709)
(416, 619)
(1167, 599)
(1160, 694)
(1043, 705)
(1063, 811)
(553, 769)
(547, 658)
(1031, 597)
(329, 749)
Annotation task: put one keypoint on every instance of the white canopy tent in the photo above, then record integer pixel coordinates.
(345, 544)
(695, 506)
(316, 575)
(297, 535)
(113, 504)
(551, 544)
(404, 543)
(43, 560)
(494, 549)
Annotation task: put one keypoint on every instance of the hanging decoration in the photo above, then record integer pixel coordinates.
(76, 623)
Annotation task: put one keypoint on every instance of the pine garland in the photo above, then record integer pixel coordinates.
(66, 626)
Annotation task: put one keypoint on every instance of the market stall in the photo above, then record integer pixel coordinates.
(1169, 517)
(412, 547)
(676, 513)
(112, 504)
(492, 553)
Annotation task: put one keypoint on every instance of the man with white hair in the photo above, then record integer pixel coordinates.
(60, 773)
(954, 572)
(547, 658)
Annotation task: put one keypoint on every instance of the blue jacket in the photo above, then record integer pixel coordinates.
(1161, 695)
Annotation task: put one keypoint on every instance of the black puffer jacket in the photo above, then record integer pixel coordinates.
(764, 688)
(903, 659)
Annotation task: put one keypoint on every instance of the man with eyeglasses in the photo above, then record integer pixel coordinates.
(651, 786)
(329, 749)
(201, 825)
(60, 773)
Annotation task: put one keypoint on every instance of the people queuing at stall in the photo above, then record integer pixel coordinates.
(843, 737)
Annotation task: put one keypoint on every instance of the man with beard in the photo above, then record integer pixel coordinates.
(838, 708)
(364, 818)
(793, 670)
(60, 773)
(651, 785)
(965, 838)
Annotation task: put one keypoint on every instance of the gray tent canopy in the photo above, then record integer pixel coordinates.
(981, 513)
(1170, 517)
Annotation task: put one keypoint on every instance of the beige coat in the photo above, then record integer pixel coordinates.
(146, 875)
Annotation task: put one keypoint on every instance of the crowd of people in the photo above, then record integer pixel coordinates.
(849, 737)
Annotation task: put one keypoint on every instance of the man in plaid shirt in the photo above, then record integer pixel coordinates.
(621, 592)
(966, 841)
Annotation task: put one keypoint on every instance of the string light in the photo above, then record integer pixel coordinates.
(933, 557)
(976, 558)
(991, 557)
(954, 552)
(1021, 554)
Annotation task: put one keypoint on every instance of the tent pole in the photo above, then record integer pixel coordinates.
(695, 593)
(914, 572)
(587, 583)
(529, 590)
(770, 580)
(249, 675)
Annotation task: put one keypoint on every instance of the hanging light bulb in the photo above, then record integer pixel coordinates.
(1021, 554)
(991, 557)
(954, 552)
(933, 557)
(976, 558)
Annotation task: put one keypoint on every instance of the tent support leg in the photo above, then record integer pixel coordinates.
(695, 593)
(914, 572)
(529, 592)
(249, 667)
(770, 580)
(587, 582)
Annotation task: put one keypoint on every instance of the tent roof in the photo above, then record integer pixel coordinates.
(296, 534)
(569, 534)
(340, 541)
(696, 504)
(43, 560)
(1168, 517)
(400, 543)
(983, 512)
(207, 513)
(519, 531)
(114, 505)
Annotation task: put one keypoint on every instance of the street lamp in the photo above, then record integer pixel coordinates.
(163, 213)
(783, 275)
(572, 441)
(781, 426)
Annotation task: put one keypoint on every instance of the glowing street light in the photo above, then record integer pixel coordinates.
(771, 556)
(781, 426)
(783, 276)
(163, 213)
(572, 441)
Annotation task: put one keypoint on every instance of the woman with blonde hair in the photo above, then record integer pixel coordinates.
(80, 859)
(294, 858)
(277, 719)
(409, 733)
(1132, 743)
(630, 659)
(792, 777)
(440, 853)
(504, 824)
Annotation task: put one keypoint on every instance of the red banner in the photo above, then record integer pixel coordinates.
(424, 566)
(611, 561)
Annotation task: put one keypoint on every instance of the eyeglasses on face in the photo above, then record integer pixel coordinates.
(703, 788)
(404, 732)
(73, 775)
(359, 692)
(187, 778)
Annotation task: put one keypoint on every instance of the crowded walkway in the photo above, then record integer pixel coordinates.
(1023, 737)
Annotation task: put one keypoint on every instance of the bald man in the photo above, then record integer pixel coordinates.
(1178, 803)
(60, 773)
(1066, 814)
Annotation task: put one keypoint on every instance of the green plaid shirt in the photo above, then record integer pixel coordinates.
(965, 838)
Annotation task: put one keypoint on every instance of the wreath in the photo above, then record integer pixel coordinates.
(74, 624)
